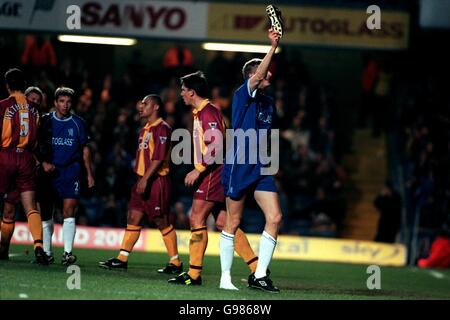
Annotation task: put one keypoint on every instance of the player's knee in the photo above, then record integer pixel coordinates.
(197, 221)
(9, 212)
(219, 225)
(220, 222)
(275, 219)
(161, 223)
(133, 220)
(69, 214)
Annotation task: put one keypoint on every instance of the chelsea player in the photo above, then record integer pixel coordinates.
(63, 149)
(251, 110)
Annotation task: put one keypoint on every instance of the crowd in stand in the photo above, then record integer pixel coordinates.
(426, 165)
(309, 180)
(421, 125)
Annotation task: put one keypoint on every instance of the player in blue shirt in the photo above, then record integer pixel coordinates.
(63, 149)
(251, 111)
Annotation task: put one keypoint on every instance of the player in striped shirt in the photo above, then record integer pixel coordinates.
(19, 121)
(209, 196)
(12, 198)
(151, 193)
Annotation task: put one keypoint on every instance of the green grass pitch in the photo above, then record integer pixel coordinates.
(19, 279)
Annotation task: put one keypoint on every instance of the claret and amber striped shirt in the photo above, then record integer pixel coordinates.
(154, 144)
(19, 121)
(206, 117)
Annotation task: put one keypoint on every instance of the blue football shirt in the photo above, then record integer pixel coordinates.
(251, 111)
(68, 137)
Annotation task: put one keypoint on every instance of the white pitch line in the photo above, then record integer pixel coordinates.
(16, 255)
(436, 274)
(23, 296)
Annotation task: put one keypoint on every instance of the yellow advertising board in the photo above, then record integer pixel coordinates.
(300, 248)
(306, 25)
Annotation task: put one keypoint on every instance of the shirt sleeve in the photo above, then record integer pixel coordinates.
(247, 86)
(162, 143)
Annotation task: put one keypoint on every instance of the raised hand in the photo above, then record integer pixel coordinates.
(274, 37)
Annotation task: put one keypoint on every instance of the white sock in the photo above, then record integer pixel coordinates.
(226, 251)
(68, 234)
(225, 281)
(47, 233)
(266, 247)
(226, 260)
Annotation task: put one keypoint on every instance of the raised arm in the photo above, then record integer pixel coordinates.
(261, 71)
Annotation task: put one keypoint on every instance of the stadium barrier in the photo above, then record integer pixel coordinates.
(288, 247)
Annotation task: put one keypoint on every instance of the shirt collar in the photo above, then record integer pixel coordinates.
(200, 108)
(154, 123)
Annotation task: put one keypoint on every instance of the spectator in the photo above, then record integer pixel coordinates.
(38, 52)
(389, 204)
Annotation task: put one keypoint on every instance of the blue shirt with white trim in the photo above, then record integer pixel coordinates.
(251, 110)
(64, 139)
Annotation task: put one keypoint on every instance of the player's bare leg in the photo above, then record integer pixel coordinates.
(7, 229)
(131, 236)
(169, 236)
(269, 204)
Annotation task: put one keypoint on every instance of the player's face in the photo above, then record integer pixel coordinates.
(186, 94)
(35, 98)
(63, 105)
(146, 108)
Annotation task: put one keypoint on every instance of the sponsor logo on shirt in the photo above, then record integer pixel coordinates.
(212, 125)
(62, 141)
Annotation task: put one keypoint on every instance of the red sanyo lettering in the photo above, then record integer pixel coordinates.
(172, 18)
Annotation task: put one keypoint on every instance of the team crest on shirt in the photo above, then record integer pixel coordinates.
(212, 125)
(70, 132)
(147, 137)
(163, 139)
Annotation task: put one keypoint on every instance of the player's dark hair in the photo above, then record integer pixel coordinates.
(156, 99)
(196, 81)
(249, 67)
(34, 90)
(15, 79)
(64, 91)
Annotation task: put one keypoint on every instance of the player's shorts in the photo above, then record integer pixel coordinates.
(64, 181)
(239, 180)
(17, 171)
(155, 201)
(210, 187)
